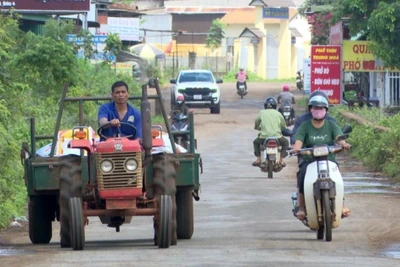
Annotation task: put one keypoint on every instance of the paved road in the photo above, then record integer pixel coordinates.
(242, 219)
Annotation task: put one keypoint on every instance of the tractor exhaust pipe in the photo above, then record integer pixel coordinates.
(146, 125)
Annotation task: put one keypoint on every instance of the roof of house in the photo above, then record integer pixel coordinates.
(247, 16)
(229, 3)
(252, 31)
(202, 10)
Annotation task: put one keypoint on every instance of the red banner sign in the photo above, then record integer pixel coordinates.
(325, 71)
(47, 5)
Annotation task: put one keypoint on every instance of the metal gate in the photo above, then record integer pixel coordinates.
(272, 57)
(393, 94)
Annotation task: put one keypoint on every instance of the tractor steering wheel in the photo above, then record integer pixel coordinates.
(101, 128)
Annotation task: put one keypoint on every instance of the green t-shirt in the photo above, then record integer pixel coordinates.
(311, 136)
(270, 123)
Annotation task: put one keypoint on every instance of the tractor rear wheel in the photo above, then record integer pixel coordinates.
(184, 213)
(77, 223)
(164, 173)
(70, 186)
(40, 228)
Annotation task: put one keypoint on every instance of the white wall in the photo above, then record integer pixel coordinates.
(301, 25)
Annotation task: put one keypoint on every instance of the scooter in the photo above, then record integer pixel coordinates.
(241, 89)
(271, 154)
(180, 123)
(286, 112)
(323, 189)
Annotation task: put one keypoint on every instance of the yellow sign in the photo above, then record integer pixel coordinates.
(124, 67)
(357, 57)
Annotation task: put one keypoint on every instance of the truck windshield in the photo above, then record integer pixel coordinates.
(195, 77)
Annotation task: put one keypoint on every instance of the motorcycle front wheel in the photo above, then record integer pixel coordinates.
(327, 215)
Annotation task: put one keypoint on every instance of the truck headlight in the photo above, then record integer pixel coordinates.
(106, 166)
(131, 165)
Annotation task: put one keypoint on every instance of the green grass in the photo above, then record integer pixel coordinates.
(302, 102)
(157, 119)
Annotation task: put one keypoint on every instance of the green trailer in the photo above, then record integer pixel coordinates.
(70, 188)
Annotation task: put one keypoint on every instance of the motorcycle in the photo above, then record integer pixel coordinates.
(271, 154)
(241, 89)
(287, 114)
(180, 123)
(299, 81)
(323, 189)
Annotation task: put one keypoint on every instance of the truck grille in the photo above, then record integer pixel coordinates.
(119, 177)
(197, 91)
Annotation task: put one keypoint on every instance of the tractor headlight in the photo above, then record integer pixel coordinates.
(131, 165)
(106, 166)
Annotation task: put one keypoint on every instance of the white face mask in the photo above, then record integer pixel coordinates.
(318, 113)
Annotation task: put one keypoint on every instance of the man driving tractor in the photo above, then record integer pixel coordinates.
(119, 110)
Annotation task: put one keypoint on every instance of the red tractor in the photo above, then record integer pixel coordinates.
(114, 179)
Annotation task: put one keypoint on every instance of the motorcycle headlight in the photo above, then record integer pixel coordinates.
(320, 151)
(131, 165)
(106, 166)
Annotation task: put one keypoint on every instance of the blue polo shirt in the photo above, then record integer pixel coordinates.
(132, 116)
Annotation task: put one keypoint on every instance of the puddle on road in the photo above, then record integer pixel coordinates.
(358, 179)
(393, 251)
(9, 251)
(359, 182)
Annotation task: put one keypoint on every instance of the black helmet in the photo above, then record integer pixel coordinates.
(318, 93)
(270, 103)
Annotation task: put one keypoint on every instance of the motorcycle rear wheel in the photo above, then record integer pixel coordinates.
(270, 169)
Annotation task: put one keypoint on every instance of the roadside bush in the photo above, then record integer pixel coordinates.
(29, 88)
(376, 149)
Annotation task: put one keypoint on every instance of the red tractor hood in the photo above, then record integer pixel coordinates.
(112, 145)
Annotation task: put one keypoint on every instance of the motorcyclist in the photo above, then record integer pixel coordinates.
(299, 81)
(316, 131)
(270, 123)
(241, 76)
(286, 98)
(308, 116)
(179, 107)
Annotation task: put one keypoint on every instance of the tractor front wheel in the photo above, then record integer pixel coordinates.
(77, 224)
(164, 235)
(164, 173)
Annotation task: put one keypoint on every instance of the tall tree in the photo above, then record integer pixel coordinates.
(378, 20)
(216, 34)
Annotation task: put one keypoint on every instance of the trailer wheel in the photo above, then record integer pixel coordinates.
(40, 228)
(184, 213)
(77, 223)
(70, 186)
(164, 173)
